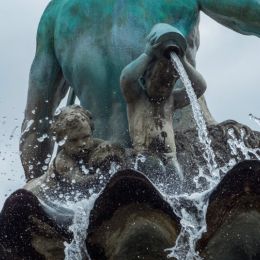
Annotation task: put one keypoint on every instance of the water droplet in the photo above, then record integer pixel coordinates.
(84, 169)
(45, 167)
(63, 141)
(47, 160)
(57, 112)
(42, 138)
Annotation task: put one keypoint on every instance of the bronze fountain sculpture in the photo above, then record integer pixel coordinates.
(85, 45)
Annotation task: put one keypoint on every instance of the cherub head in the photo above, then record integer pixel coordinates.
(73, 127)
(159, 78)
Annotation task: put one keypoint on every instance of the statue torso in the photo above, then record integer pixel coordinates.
(151, 124)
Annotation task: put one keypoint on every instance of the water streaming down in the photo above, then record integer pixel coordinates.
(208, 153)
(76, 250)
(192, 208)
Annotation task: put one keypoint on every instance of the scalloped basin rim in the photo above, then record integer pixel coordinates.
(126, 187)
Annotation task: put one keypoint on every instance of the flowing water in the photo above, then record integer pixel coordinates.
(192, 208)
(208, 153)
(77, 250)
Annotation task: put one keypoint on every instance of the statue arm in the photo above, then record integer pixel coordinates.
(199, 85)
(46, 89)
(239, 15)
(130, 76)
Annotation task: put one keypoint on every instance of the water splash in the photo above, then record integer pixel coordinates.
(42, 138)
(237, 145)
(76, 250)
(256, 119)
(63, 141)
(140, 158)
(28, 126)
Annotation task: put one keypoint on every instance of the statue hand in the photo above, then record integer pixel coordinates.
(152, 45)
(164, 39)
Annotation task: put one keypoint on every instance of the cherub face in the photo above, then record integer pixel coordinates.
(73, 127)
(79, 139)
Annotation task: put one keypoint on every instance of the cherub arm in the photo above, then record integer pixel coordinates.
(130, 76)
(133, 72)
(239, 15)
(199, 85)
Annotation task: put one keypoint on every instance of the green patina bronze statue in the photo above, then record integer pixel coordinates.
(84, 44)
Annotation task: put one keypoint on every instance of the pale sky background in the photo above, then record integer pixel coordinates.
(229, 62)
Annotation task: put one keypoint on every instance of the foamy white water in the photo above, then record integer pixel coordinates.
(140, 158)
(237, 145)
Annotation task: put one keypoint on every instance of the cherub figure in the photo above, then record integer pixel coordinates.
(80, 155)
(148, 86)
